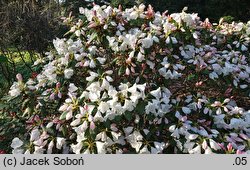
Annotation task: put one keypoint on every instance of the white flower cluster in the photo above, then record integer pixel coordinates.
(137, 81)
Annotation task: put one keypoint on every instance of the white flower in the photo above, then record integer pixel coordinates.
(208, 150)
(15, 90)
(49, 125)
(63, 108)
(214, 145)
(60, 46)
(27, 152)
(176, 133)
(243, 86)
(34, 135)
(159, 147)
(60, 142)
(147, 42)
(72, 87)
(236, 123)
(68, 73)
(172, 128)
(144, 150)
(195, 35)
(128, 105)
(98, 117)
(239, 26)
(101, 136)
(204, 144)
(171, 40)
(196, 150)
(109, 79)
(38, 61)
(16, 143)
(75, 122)
(77, 148)
(156, 93)
(151, 64)
(186, 110)
(69, 115)
(133, 15)
(135, 140)
(243, 48)
(39, 150)
(100, 147)
(140, 57)
(128, 130)
(103, 107)
(191, 136)
(50, 147)
(86, 151)
(213, 75)
(17, 151)
(92, 76)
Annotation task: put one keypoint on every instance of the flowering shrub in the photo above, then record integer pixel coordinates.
(137, 81)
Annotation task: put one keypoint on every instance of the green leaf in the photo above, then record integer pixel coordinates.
(121, 71)
(85, 144)
(140, 108)
(63, 116)
(51, 131)
(190, 77)
(64, 130)
(2, 105)
(25, 103)
(118, 118)
(206, 72)
(92, 37)
(3, 59)
(128, 116)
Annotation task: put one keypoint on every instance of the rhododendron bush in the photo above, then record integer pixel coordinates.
(138, 81)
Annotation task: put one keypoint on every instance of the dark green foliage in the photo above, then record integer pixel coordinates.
(238, 10)
(29, 25)
(125, 3)
(212, 9)
(27, 28)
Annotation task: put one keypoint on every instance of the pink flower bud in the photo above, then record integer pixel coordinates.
(128, 60)
(36, 118)
(230, 147)
(239, 152)
(113, 127)
(92, 125)
(2, 152)
(150, 11)
(132, 70)
(58, 85)
(227, 93)
(81, 64)
(92, 24)
(243, 136)
(86, 107)
(59, 95)
(52, 96)
(19, 77)
(120, 7)
(127, 71)
(222, 146)
(198, 83)
(184, 118)
(143, 66)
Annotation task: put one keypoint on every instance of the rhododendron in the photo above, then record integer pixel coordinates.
(138, 81)
(16, 143)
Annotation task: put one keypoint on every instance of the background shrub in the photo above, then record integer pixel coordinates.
(137, 81)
